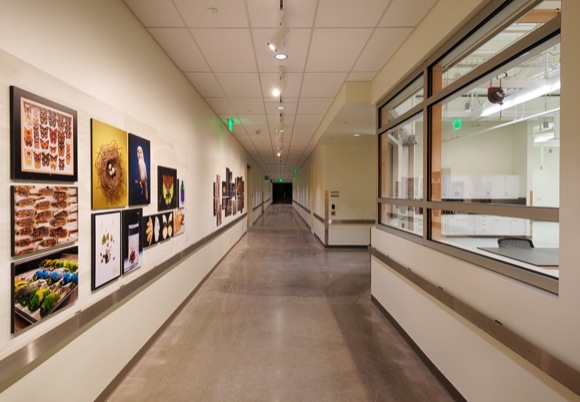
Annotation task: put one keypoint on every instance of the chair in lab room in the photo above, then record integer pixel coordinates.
(515, 242)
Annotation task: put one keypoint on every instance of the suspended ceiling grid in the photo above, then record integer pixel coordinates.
(220, 46)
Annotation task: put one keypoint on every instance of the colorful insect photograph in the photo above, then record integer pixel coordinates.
(167, 192)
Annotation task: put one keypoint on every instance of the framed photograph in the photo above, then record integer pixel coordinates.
(240, 193)
(132, 239)
(152, 227)
(179, 222)
(167, 192)
(105, 248)
(139, 170)
(43, 285)
(166, 225)
(109, 166)
(181, 201)
(43, 217)
(43, 138)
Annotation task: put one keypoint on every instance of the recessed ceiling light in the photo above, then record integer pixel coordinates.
(280, 107)
(276, 92)
(212, 10)
(356, 135)
(280, 56)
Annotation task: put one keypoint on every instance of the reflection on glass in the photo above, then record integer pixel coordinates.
(504, 152)
(410, 97)
(544, 12)
(402, 158)
(482, 233)
(402, 217)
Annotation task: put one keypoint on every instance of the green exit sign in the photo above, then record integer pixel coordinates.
(281, 180)
(231, 124)
(456, 124)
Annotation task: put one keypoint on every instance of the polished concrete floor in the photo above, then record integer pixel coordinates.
(282, 319)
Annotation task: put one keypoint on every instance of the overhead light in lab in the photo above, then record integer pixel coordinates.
(543, 137)
(523, 96)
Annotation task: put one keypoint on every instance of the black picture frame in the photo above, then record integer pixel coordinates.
(43, 139)
(167, 188)
(56, 273)
(106, 249)
(139, 170)
(132, 242)
(42, 217)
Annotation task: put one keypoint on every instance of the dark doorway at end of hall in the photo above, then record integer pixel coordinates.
(282, 193)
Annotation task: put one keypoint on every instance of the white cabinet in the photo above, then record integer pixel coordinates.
(457, 187)
(482, 225)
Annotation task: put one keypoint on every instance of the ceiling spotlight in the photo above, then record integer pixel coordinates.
(280, 107)
(356, 135)
(280, 56)
(275, 43)
(279, 154)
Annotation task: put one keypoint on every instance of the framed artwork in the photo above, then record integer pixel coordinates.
(42, 217)
(109, 166)
(167, 192)
(152, 230)
(139, 170)
(181, 201)
(179, 222)
(216, 194)
(42, 286)
(43, 138)
(132, 239)
(240, 193)
(105, 248)
(166, 225)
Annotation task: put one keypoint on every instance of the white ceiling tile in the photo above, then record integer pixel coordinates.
(382, 46)
(322, 85)
(248, 105)
(226, 50)
(314, 105)
(253, 121)
(231, 13)
(156, 13)
(297, 13)
(309, 119)
(206, 84)
(221, 106)
(180, 46)
(368, 76)
(336, 49)
(295, 46)
(272, 80)
(348, 13)
(240, 85)
(406, 13)
(304, 130)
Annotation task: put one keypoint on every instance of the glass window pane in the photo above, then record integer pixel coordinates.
(409, 219)
(452, 70)
(403, 160)
(402, 103)
(508, 151)
(496, 236)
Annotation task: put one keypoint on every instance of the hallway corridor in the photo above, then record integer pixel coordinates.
(282, 319)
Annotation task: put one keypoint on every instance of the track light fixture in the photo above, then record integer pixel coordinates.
(280, 126)
(275, 43)
(277, 92)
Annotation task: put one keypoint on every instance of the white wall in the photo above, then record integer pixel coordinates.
(84, 55)
(481, 368)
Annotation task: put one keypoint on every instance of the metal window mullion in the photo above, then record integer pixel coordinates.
(535, 38)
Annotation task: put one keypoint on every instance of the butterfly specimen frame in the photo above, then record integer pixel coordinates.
(167, 188)
(43, 138)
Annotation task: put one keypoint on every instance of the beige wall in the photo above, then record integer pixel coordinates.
(478, 366)
(82, 54)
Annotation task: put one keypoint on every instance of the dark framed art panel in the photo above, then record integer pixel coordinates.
(132, 239)
(167, 188)
(107, 260)
(139, 170)
(43, 285)
(43, 138)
